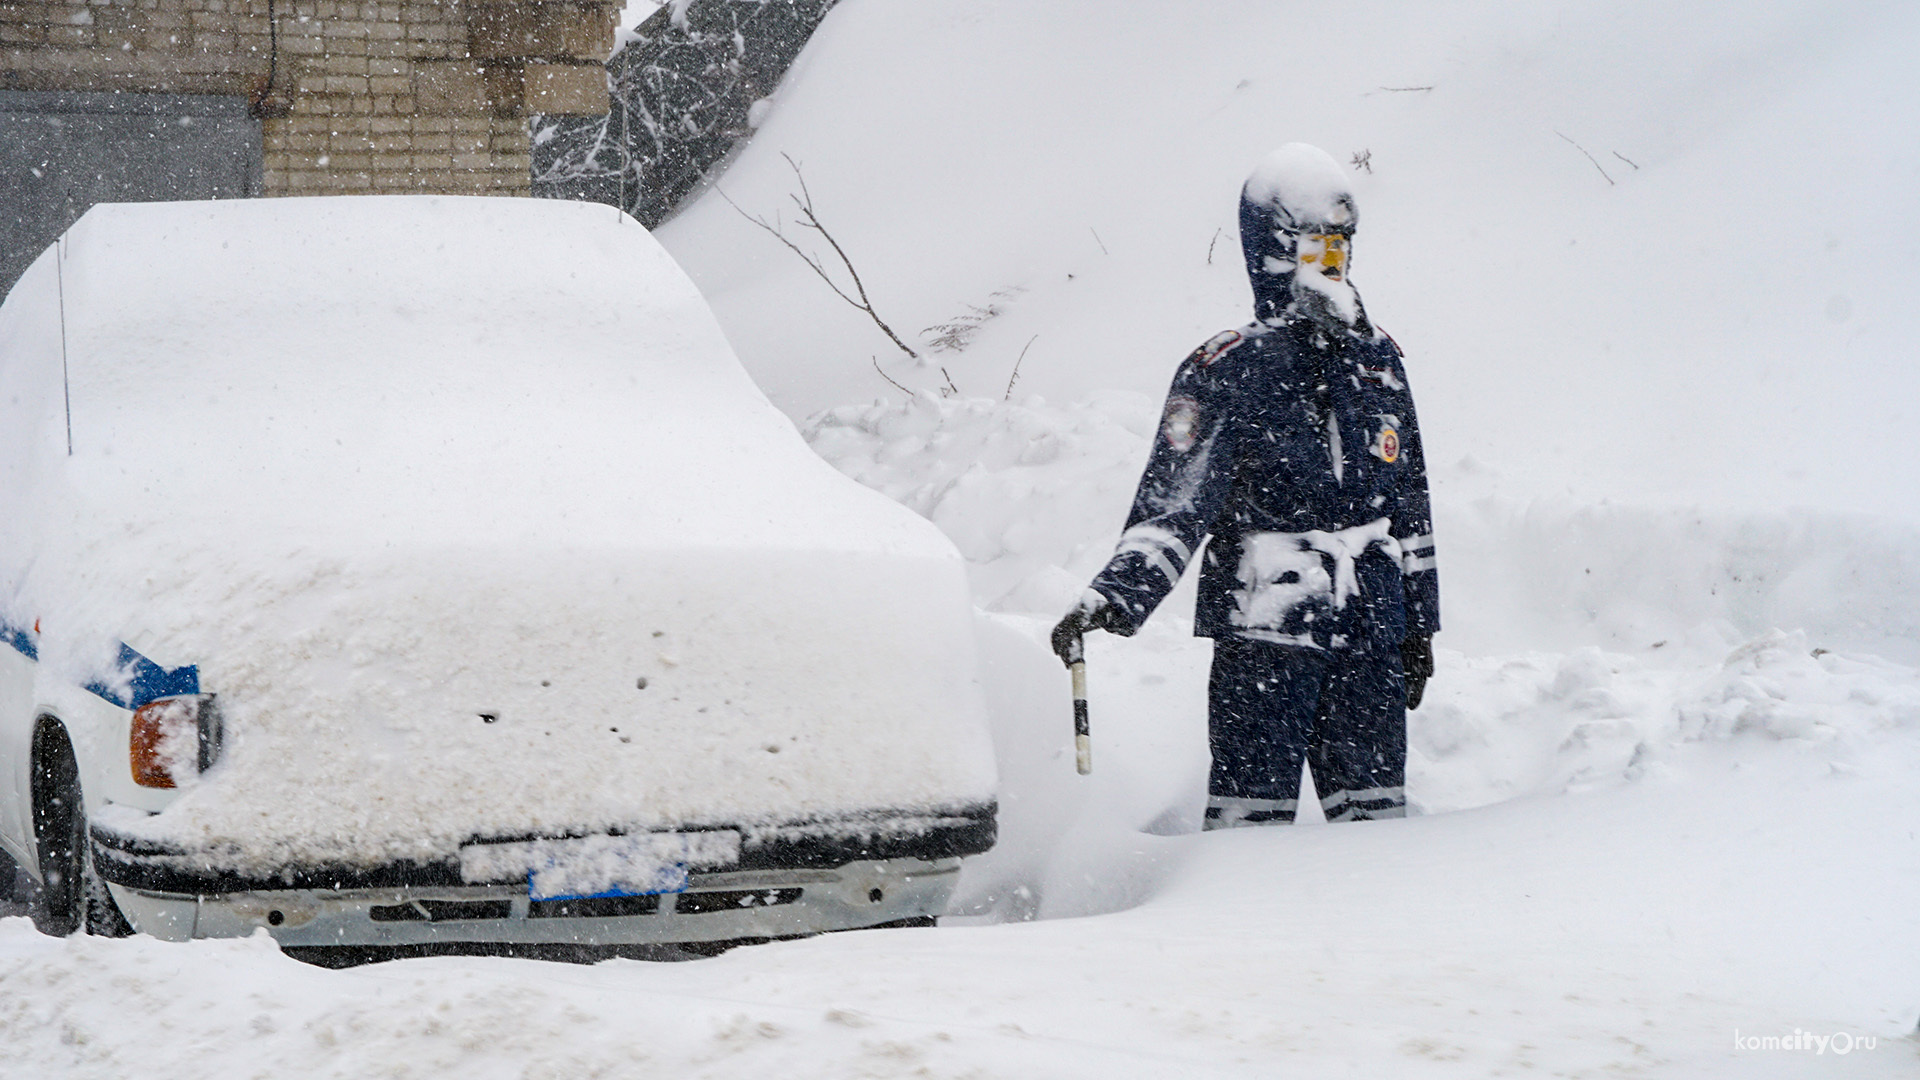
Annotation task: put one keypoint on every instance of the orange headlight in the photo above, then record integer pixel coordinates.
(172, 739)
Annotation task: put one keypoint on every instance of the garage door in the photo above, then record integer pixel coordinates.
(61, 153)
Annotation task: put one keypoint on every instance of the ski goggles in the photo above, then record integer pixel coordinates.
(1326, 252)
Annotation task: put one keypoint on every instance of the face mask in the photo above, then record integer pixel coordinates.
(1324, 254)
(1320, 289)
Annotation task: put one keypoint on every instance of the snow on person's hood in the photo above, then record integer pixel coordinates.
(382, 465)
(1294, 191)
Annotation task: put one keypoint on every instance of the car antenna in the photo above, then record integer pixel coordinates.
(60, 279)
(626, 163)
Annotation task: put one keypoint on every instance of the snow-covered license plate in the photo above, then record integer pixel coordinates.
(634, 865)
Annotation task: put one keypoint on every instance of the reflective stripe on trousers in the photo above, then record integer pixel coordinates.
(1231, 812)
(1365, 804)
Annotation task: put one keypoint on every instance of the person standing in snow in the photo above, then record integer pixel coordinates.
(1289, 446)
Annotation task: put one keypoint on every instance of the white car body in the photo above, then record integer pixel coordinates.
(509, 586)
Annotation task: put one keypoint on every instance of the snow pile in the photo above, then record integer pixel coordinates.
(1777, 686)
(1030, 493)
(455, 567)
(1034, 494)
(1499, 727)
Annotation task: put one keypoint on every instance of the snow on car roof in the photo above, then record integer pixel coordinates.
(273, 358)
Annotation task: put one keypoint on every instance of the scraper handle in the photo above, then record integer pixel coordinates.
(1082, 742)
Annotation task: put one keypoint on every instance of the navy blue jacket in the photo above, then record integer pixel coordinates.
(1293, 451)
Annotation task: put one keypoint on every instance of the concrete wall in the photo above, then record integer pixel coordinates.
(62, 152)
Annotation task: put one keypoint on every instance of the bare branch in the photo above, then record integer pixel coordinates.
(810, 220)
(1628, 160)
(1590, 157)
(1097, 240)
(1210, 243)
(795, 248)
(1408, 89)
(795, 166)
(950, 386)
(1015, 377)
(889, 378)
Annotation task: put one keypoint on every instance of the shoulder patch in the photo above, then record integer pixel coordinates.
(1217, 346)
(1180, 426)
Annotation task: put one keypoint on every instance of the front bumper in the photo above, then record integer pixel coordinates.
(715, 907)
(789, 880)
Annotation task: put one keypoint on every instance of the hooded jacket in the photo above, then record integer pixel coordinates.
(1290, 449)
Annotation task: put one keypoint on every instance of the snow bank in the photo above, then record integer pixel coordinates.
(1034, 496)
(378, 507)
(1586, 647)
(1501, 727)
(1495, 728)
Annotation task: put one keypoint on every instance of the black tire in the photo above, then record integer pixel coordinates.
(72, 897)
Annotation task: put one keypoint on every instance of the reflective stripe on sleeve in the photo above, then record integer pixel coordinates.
(1166, 552)
(1416, 554)
(1158, 560)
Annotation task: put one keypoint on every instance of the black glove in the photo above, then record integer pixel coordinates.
(1416, 659)
(1091, 613)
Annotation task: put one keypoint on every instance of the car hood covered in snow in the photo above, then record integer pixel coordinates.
(465, 510)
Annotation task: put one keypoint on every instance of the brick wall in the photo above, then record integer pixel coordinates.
(430, 95)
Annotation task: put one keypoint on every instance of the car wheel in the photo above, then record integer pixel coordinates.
(72, 896)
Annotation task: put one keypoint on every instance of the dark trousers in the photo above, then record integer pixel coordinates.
(1271, 707)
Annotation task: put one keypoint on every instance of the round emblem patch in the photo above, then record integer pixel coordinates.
(1180, 427)
(1389, 445)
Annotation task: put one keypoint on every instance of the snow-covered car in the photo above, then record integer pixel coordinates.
(408, 571)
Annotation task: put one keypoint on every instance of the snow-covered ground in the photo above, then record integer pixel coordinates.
(1743, 868)
(1667, 760)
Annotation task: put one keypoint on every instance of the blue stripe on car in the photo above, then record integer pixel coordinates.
(141, 680)
(19, 640)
